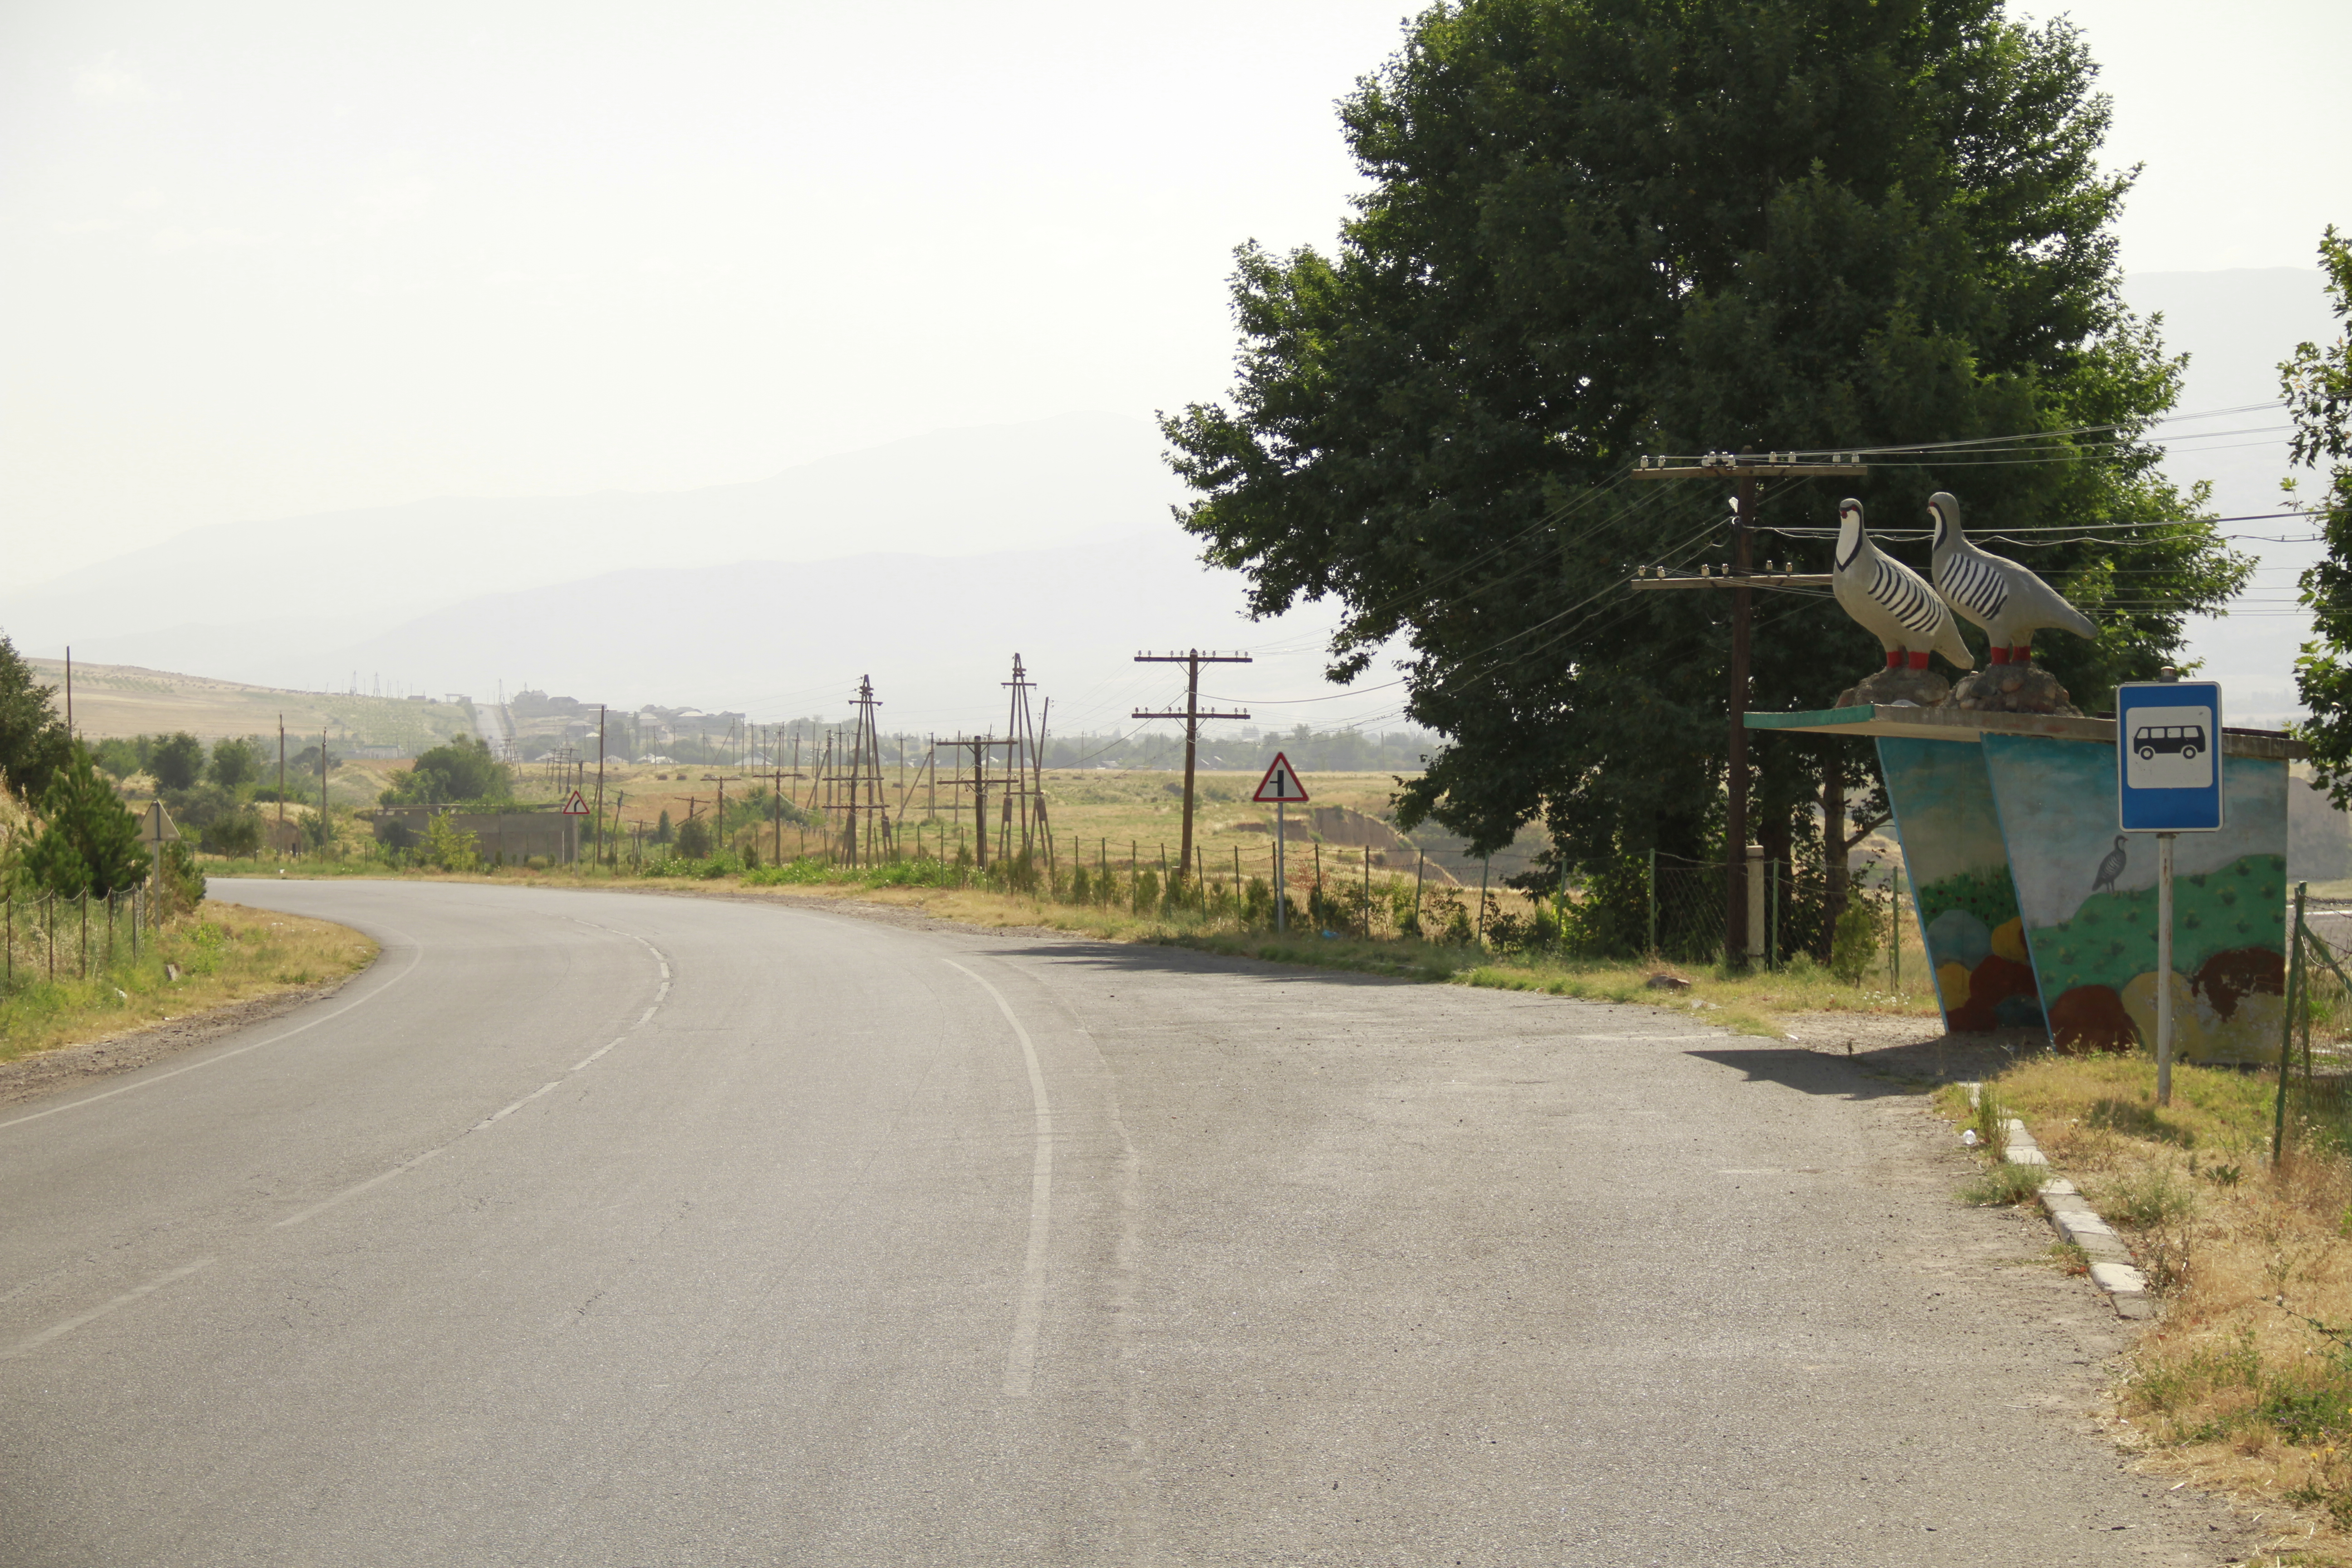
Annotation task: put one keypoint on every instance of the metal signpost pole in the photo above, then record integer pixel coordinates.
(2168, 742)
(1281, 883)
(2164, 967)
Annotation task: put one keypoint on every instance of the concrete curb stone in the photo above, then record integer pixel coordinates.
(2111, 1269)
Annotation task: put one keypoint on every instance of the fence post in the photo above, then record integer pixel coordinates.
(1894, 931)
(2286, 1038)
(1653, 901)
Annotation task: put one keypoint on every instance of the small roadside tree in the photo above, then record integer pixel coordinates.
(90, 842)
(2318, 386)
(694, 838)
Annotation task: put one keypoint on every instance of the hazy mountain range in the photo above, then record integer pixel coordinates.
(925, 564)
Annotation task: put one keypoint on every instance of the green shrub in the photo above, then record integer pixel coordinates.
(179, 881)
(2145, 1198)
(2003, 1183)
(692, 839)
(1855, 944)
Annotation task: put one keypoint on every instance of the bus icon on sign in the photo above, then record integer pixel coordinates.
(2188, 740)
(2171, 748)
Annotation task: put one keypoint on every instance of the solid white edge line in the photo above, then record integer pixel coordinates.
(415, 952)
(375, 1181)
(1021, 1355)
(59, 1331)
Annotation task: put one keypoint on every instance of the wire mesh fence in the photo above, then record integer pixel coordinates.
(2314, 1108)
(45, 938)
(1794, 914)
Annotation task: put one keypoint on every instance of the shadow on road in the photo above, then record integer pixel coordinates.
(1909, 1068)
(1144, 958)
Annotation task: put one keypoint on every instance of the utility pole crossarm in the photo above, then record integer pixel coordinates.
(1181, 714)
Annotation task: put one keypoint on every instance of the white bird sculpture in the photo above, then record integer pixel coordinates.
(2009, 601)
(1890, 601)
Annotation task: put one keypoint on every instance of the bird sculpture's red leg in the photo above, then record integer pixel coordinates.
(1919, 660)
(1895, 658)
(2000, 655)
(2023, 652)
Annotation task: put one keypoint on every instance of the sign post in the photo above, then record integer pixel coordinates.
(575, 809)
(1281, 786)
(2168, 783)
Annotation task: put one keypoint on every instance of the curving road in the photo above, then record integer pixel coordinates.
(609, 1229)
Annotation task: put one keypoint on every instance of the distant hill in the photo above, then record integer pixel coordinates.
(125, 700)
(279, 600)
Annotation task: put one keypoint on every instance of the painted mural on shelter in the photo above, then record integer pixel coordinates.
(2087, 898)
(1950, 832)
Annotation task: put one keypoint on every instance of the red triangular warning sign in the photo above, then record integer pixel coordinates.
(575, 806)
(1281, 784)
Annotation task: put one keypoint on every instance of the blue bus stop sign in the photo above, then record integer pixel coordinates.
(2169, 756)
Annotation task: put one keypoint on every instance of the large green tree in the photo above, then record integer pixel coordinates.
(1598, 229)
(33, 740)
(2318, 385)
(177, 760)
(461, 770)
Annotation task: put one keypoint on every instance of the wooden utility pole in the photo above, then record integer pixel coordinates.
(1744, 471)
(979, 746)
(280, 844)
(600, 784)
(1192, 659)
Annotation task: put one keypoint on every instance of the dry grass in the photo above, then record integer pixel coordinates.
(2245, 1384)
(225, 953)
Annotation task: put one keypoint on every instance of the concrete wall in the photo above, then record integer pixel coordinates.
(513, 834)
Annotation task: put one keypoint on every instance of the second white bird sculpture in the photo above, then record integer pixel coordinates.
(2009, 601)
(1890, 601)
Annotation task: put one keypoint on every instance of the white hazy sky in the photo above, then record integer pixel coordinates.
(263, 259)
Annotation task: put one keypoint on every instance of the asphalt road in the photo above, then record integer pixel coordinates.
(608, 1229)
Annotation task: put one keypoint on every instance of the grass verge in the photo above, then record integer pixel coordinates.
(2245, 1383)
(224, 953)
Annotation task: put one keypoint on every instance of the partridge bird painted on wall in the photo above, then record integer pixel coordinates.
(1892, 602)
(2009, 601)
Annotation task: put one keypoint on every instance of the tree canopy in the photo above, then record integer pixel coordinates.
(33, 740)
(2317, 382)
(89, 841)
(1599, 229)
(461, 770)
(177, 762)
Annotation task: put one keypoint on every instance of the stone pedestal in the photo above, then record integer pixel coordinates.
(2012, 689)
(1889, 688)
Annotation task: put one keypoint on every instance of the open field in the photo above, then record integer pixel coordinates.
(124, 699)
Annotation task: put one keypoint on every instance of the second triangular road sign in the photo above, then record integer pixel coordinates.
(1281, 784)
